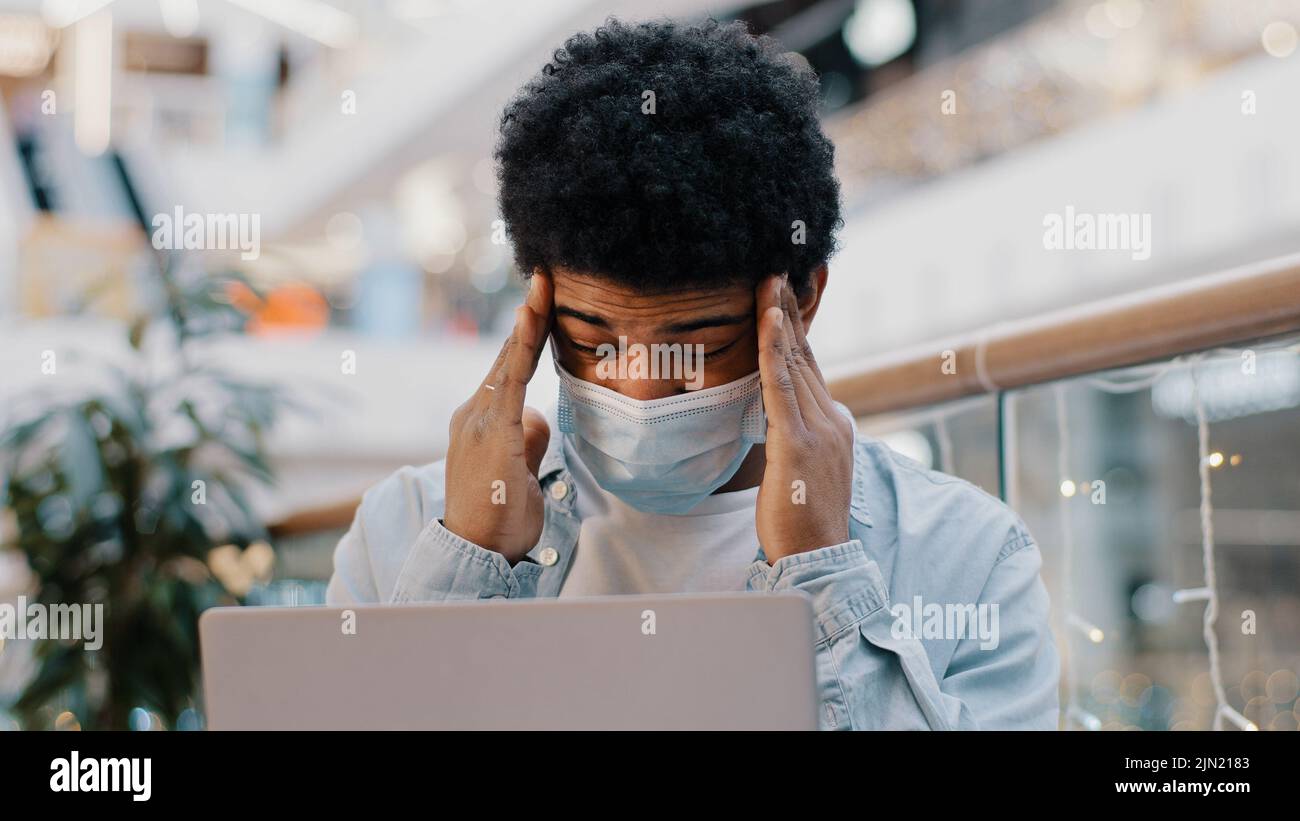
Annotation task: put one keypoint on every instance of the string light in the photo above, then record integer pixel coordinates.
(1209, 593)
(1206, 461)
(1236, 718)
(1073, 711)
(1092, 631)
(1191, 594)
(1084, 719)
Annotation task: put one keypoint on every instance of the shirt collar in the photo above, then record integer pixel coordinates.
(858, 498)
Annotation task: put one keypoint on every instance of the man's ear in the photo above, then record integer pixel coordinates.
(811, 299)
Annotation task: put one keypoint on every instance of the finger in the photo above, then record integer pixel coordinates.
(512, 382)
(812, 375)
(509, 383)
(779, 401)
(771, 302)
(799, 373)
(494, 374)
(768, 295)
(791, 305)
(535, 327)
(540, 300)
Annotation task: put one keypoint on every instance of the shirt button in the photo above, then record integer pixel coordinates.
(548, 556)
(559, 489)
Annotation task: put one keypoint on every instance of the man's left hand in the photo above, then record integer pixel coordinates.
(803, 501)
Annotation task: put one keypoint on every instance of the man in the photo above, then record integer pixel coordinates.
(669, 187)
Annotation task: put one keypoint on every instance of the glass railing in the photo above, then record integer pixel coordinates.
(1165, 498)
(1132, 505)
(959, 438)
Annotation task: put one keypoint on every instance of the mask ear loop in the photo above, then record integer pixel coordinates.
(564, 404)
(753, 424)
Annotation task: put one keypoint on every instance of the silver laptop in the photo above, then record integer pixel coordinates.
(738, 661)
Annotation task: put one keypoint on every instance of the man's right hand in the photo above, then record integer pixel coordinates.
(496, 445)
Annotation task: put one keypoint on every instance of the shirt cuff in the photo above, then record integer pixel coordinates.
(442, 565)
(844, 584)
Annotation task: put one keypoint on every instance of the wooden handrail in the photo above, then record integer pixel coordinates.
(336, 516)
(1240, 305)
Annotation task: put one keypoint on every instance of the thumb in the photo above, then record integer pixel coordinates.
(537, 435)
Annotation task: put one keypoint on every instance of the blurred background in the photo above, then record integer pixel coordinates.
(194, 425)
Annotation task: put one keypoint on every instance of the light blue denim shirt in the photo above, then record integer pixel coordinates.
(919, 539)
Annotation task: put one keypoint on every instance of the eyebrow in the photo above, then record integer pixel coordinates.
(675, 327)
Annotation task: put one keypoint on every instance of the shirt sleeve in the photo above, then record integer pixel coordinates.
(443, 566)
(398, 551)
(871, 677)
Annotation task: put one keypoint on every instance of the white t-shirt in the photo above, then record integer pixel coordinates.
(622, 550)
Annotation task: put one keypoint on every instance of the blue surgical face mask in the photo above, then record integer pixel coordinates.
(662, 455)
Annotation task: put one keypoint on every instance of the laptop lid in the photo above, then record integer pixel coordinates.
(689, 661)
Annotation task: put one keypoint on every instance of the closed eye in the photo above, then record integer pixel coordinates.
(707, 355)
(720, 351)
(583, 348)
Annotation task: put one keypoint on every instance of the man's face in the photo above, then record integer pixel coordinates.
(591, 312)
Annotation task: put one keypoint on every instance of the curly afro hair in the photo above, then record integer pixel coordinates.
(704, 190)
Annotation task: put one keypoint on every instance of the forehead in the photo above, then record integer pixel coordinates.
(622, 306)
